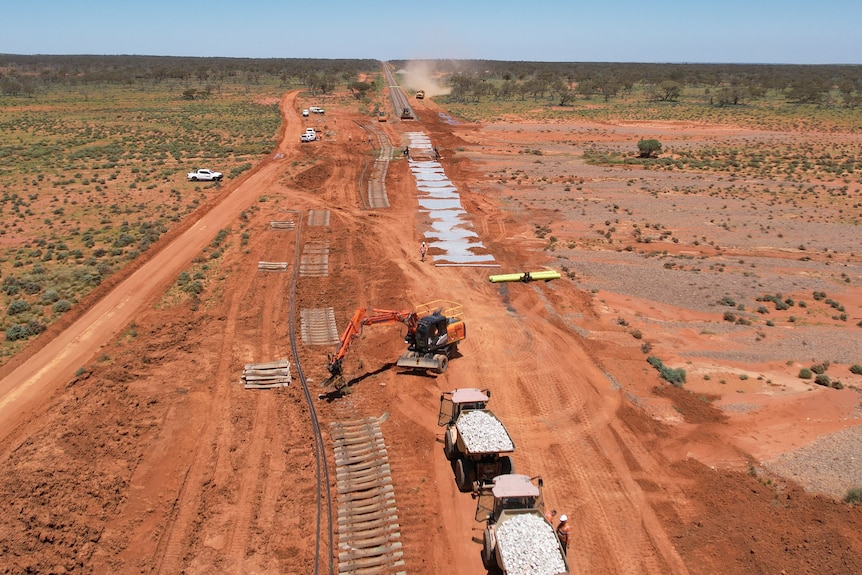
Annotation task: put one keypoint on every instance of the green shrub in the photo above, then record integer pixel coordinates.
(856, 369)
(805, 373)
(820, 367)
(822, 379)
(23, 331)
(62, 306)
(17, 306)
(649, 148)
(854, 495)
(674, 376)
(49, 297)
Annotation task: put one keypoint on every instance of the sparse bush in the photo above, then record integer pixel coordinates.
(822, 379)
(805, 373)
(820, 368)
(853, 496)
(49, 297)
(649, 148)
(62, 306)
(17, 306)
(674, 376)
(856, 369)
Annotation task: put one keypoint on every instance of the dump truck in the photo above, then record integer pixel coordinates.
(475, 440)
(518, 539)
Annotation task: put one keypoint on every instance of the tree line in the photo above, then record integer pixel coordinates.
(727, 84)
(470, 80)
(25, 75)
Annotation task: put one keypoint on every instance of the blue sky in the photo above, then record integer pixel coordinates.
(714, 31)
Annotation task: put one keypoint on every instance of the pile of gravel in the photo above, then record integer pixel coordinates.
(529, 546)
(483, 433)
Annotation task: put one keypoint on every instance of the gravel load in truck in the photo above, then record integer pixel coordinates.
(529, 546)
(482, 432)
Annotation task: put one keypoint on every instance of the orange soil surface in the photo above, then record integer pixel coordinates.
(156, 460)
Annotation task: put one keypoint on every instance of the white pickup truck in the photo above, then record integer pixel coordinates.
(309, 136)
(316, 110)
(203, 175)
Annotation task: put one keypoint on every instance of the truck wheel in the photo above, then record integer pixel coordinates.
(488, 560)
(442, 363)
(448, 446)
(506, 466)
(463, 477)
(194, 178)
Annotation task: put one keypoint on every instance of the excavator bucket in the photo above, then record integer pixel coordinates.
(333, 385)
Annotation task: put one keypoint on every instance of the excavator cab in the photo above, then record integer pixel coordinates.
(431, 334)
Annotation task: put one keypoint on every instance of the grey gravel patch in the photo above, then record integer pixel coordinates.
(740, 407)
(831, 465)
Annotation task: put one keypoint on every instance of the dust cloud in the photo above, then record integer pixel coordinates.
(420, 76)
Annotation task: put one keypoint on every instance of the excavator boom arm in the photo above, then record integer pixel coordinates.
(361, 318)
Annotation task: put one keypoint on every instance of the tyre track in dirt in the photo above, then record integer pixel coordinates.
(252, 475)
(210, 465)
(555, 394)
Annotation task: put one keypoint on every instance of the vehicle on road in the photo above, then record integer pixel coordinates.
(518, 538)
(476, 441)
(420, 94)
(203, 175)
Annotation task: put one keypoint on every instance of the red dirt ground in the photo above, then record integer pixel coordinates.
(156, 460)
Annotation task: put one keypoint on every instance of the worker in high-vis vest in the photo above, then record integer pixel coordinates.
(563, 532)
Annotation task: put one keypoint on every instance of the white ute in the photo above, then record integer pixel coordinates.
(309, 136)
(316, 110)
(204, 176)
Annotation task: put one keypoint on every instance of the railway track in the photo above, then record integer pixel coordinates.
(400, 102)
(324, 496)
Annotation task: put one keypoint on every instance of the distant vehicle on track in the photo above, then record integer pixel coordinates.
(204, 175)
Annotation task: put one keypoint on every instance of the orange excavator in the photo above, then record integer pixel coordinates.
(433, 333)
